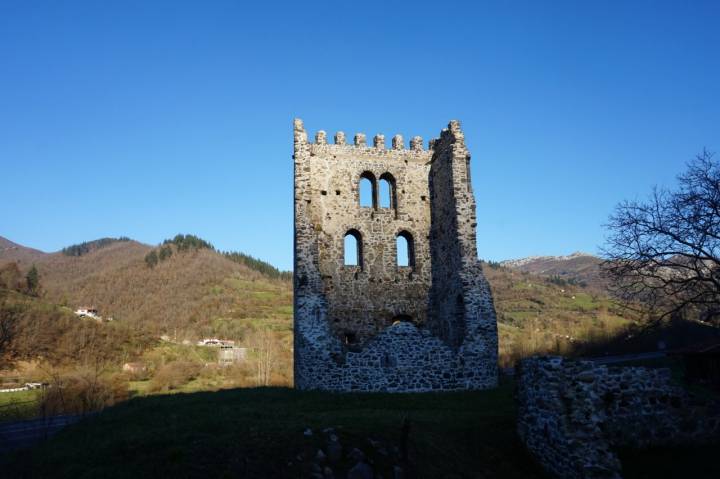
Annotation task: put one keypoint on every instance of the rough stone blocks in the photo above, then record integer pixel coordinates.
(364, 319)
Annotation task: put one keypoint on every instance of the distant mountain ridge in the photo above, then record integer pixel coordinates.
(578, 267)
(192, 291)
(530, 260)
(544, 303)
(10, 251)
(88, 246)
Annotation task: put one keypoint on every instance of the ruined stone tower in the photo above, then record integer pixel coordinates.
(365, 319)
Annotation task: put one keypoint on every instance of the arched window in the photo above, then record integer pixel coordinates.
(405, 249)
(353, 248)
(385, 194)
(367, 190)
(387, 191)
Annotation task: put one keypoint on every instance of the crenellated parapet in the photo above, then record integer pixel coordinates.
(415, 152)
(360, 139)
(340, 138)
(379, 141)
(300, 135)
(416, 143)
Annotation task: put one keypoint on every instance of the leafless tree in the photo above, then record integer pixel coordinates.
(265, 347)
(8, 329)
(665, 251)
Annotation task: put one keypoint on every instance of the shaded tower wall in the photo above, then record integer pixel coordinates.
(379, 326)
(460, 310)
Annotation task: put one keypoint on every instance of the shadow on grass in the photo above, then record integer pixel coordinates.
(695, 462)
(257, 432)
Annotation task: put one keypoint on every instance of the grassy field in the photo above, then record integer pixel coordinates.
(19, 405)
(258, 432)
(538, 316)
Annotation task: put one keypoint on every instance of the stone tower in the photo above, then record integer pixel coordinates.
(366, 320)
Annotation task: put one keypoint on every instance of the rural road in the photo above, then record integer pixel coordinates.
(18, 434)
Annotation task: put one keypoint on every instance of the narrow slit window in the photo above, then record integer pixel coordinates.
(367, 191)
(385, 194)
(353, 248)
(386, 191)
(405, 250)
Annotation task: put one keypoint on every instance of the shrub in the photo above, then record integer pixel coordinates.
(80, 392)
(165, 253)
(10, 277)
(174, 375)
(151, 259)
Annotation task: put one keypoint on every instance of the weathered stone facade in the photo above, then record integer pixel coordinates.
(377, 326)
(571, 414)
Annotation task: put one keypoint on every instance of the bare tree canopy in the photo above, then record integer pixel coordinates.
(665, 251)
(8, 329)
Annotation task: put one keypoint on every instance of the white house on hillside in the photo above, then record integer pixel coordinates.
(88, 312)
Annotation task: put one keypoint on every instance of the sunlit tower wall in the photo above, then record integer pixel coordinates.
(389, 294)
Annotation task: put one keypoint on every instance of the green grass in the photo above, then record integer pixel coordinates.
(286, 310)
(259, 433)
(19, 405)
(256, 432)
(138, 388)
(267, 295)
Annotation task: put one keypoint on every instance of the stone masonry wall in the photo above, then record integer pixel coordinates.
(375, 326)
(571, 414)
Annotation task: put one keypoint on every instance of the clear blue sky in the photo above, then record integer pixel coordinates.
(147, 119)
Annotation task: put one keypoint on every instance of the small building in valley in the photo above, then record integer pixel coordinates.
(228, 355)
(215, 342)
(134, 367)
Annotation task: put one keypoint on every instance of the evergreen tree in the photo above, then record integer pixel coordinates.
(188, 242)
(33, 280)
(258, 265)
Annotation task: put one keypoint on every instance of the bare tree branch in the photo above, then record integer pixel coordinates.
(665, 252)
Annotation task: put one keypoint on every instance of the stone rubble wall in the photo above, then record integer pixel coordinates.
(572, 414)
(402, 358)
(434, 347)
